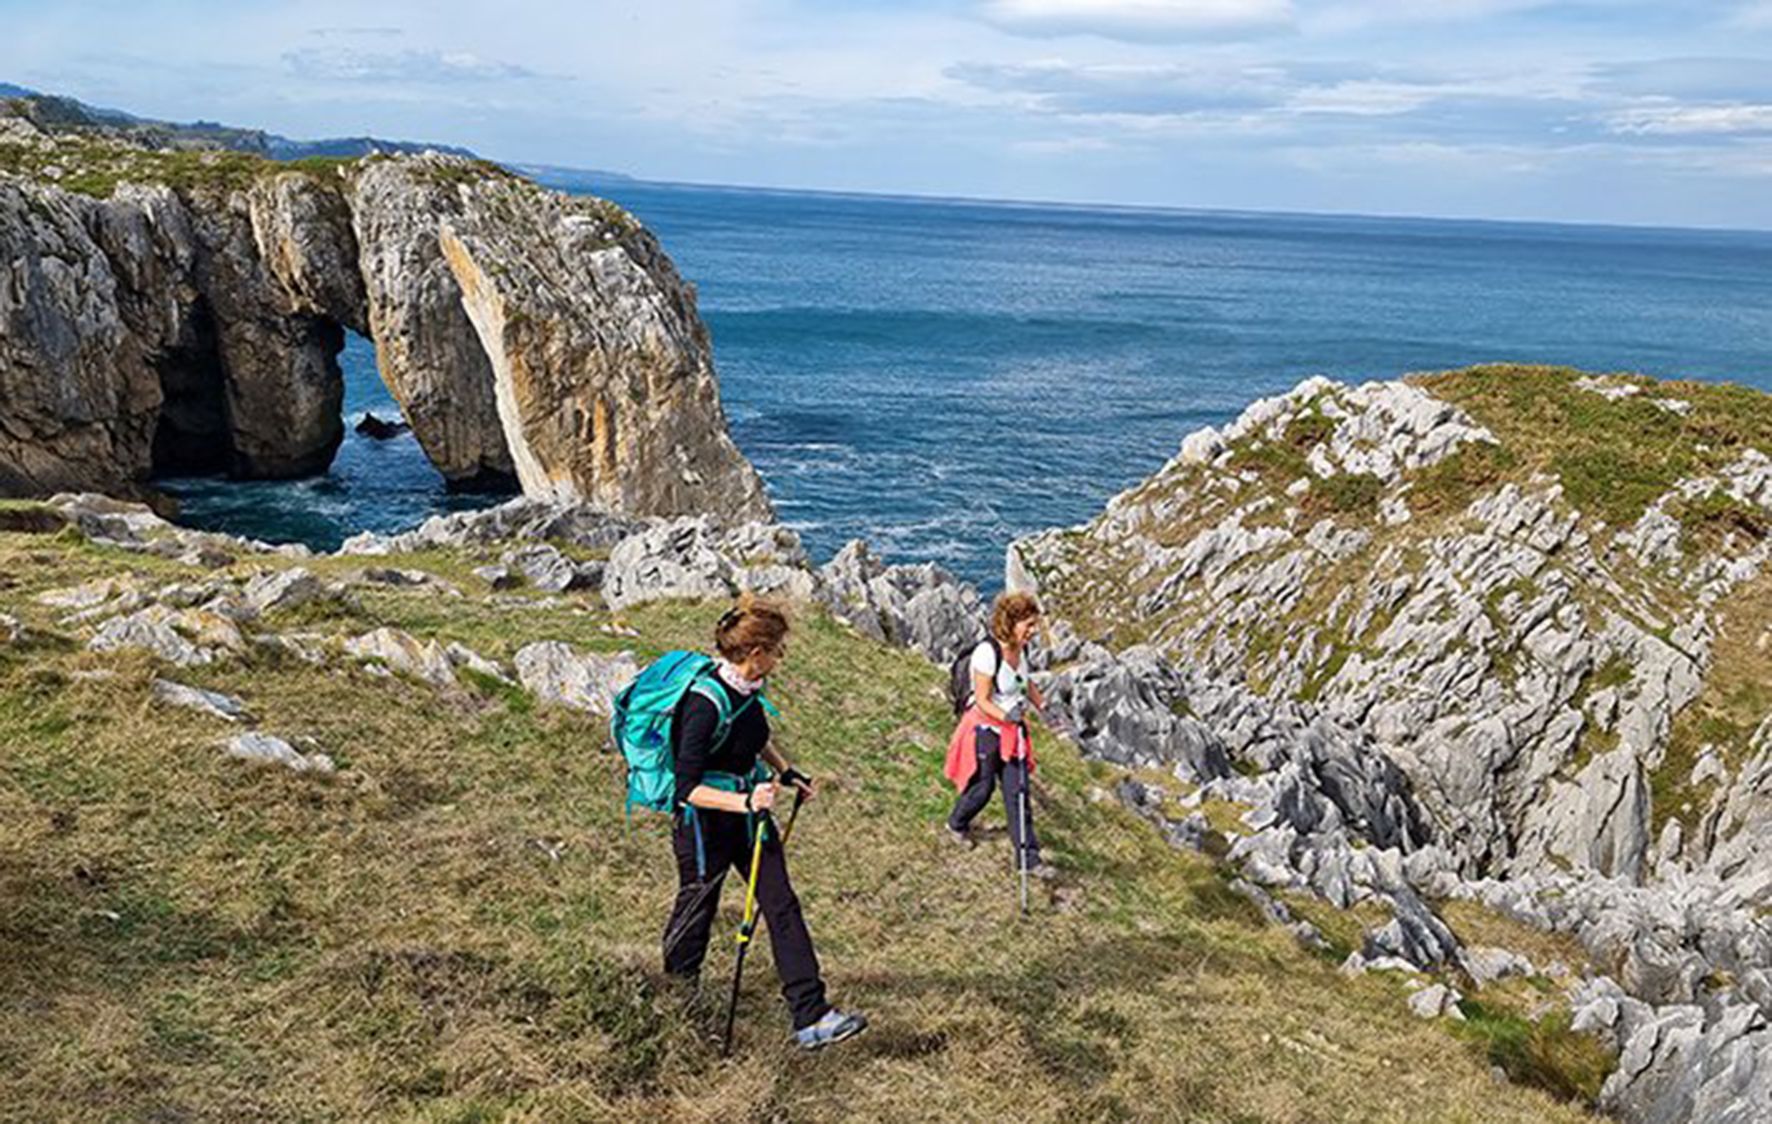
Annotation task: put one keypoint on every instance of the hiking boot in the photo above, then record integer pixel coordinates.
(959, 838)
(834, 1027)
(1044, 871)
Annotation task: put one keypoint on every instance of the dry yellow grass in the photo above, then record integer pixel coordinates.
(460, 925)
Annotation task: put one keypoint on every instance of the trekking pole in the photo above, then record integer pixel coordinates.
(1022, 847)
(748, 926)
(745, 929)
(799, 799)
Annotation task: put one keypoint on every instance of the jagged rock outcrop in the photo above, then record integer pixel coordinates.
(527, 335)
(918, 606)
(1526, 692)
(554, 673)
(1682, 1062)
(1449, 661)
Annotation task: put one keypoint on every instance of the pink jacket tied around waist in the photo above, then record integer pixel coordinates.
(1012, 739)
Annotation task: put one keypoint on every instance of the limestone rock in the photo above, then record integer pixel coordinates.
(425, 344)
(555, 673)
(186, 637)
(1435, 1001)
(1683, 1063)
(462, 656)
(601, 370)
(77, 387)
(276, 591)
(379, 429)
(498, 577)
(680, 559)
(308, 647)
(275, 751)
(527, 335)
(214, 703)
(922, 607)
(519, 520)
(1487, 964)
(84, 596)
(274, 358)
(402, 652)
(549, 570)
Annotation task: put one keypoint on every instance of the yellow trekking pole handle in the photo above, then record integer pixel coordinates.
(750, 893)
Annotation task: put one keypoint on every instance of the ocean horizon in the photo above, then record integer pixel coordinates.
(940, 375)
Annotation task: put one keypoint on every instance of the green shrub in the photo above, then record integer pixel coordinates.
(1546, 1054)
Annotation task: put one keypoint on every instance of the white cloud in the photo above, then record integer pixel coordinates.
(1365, 99)
(1063, 146)
(399, 66)
(1692, 120)
(1690, 79)
(1141, 20)
(1351, 15)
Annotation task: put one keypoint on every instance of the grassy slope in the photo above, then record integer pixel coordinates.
(186, 937)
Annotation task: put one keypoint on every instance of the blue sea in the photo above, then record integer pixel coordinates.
(938, 376)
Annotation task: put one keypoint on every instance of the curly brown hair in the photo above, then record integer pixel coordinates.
(1010, 610)
(751, 624)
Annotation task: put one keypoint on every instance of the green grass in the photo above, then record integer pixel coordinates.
(460, 924)
(1707, 521)
(1450, 485)
(1735, 700)
(1345, 493)
(1613, 457)
(95, 166)
(1543, 1053)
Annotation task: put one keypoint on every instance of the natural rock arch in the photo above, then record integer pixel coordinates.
(525, 334)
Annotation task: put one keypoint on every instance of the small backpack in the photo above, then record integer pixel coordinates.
(960, 675)
(640, 723)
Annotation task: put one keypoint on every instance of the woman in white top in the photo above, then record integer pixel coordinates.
(992, 740)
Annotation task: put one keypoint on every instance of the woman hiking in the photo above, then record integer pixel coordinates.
(992, 740)
(723, 794)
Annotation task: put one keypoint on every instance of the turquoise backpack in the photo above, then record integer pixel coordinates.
(640, 723)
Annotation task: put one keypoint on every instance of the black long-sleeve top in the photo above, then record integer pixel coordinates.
(692, 735)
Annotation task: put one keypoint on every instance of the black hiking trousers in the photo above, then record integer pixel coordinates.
(726, 845)
(977, 794)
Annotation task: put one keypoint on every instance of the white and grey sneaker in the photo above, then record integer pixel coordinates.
(834, 1027)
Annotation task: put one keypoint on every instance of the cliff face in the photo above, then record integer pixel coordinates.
(425, 345)
(598, 357)
(192, 322)
(79, 397)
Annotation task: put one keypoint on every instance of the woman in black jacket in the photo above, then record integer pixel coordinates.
(723, 796)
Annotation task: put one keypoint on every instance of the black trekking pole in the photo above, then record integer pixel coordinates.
(1022, 847)
(748, 926)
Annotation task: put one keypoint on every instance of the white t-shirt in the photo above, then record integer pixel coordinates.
(1010, 685)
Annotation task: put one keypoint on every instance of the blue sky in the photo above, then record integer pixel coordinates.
(1614, 111)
